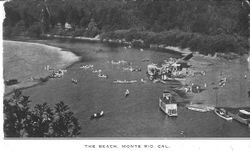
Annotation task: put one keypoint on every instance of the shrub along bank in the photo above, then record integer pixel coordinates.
(205, 44)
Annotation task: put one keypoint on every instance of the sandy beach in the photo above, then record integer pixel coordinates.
(237, 72)
(23, 61)
(234, 93)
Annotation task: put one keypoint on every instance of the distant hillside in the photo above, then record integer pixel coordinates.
(91, 17)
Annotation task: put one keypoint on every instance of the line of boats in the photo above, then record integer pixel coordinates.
(168, 105)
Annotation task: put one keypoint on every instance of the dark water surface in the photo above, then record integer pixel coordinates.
(135, 116)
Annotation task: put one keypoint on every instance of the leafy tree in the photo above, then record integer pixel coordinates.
(19, 28)
(7, 31)
(35, 30)
(20, 120)
(92, 29)
(64, 124)
(72, 15)
(16, 111)
(12, 15)
(61, 16)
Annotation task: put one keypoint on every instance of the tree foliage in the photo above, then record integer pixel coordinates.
(187, 15)
(210, 18)
(20, 120)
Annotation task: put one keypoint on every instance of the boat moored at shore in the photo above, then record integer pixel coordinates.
(242, 116)
(223, 114)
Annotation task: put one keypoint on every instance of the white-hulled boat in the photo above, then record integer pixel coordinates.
(244, 112)
(222, 113)
(198, 108)
(242, 116)
(124, 81)
(102, 76)
(167, 104)
(97, 115)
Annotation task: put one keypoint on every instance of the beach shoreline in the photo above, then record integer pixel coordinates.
(231, 95)
(62, 60)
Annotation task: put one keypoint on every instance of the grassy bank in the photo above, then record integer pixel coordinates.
(24, 60)
(204, 44)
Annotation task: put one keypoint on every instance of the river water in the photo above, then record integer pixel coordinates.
(138, 115)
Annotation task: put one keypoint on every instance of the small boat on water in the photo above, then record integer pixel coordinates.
(244, 112)
(102, 76)
(97, 71)
(97, 115)
(242, 116)
(198, 108)
(167, 104)
(143, 81)
(145, 60)
(74, 81)
(165, 78)
(222, 113)
(125, 81)
(126, 93)
(118, 62)
(86, 66)
(132, 69)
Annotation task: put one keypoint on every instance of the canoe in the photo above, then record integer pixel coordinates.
(97, 115)
(124, 81)
(102, 76)
(198, 108)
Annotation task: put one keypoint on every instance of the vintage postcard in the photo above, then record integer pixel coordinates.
(134, 70)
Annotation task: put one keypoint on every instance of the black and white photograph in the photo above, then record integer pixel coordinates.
(126, 69)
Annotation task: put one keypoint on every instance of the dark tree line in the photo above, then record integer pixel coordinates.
(207, 17)
(225, 20)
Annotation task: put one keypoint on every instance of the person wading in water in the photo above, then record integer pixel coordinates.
(126, 93)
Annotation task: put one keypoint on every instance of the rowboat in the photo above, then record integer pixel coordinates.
(74, 81)
(124, 81)
(198, 108)
(97, 115)
(97, 71)
(242, 116)
(102, 76)
(222, 113)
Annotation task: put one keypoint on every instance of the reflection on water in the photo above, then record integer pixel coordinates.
(248, 60)
(136, 115)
